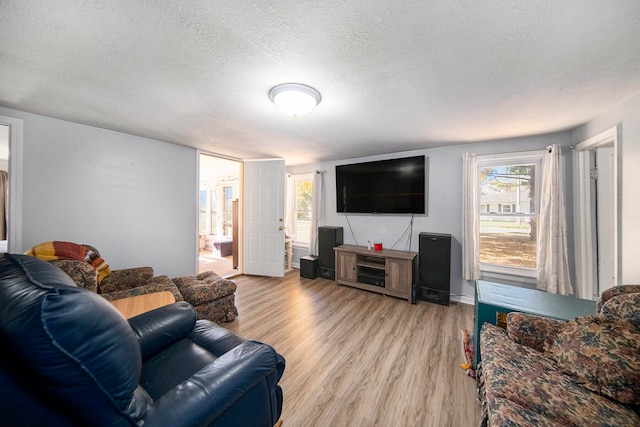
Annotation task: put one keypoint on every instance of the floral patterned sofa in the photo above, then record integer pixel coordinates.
(545, 372)
(212, 296)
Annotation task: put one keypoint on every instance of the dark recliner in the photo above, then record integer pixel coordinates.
(69, 358)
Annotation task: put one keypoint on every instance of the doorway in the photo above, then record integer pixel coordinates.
(13, 238)
(219, 191)
(596, 211)
(4, 186)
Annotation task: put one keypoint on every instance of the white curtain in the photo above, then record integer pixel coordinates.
(289, 206)
(316, 212)
(553, 264)
(470, 218)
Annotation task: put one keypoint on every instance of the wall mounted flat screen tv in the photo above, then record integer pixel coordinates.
(395, 186)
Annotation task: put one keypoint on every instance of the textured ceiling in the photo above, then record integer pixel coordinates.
(394, 76)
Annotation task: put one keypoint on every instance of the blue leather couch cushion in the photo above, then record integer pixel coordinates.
(75, 342)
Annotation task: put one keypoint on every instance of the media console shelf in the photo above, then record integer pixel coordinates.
(388, 271)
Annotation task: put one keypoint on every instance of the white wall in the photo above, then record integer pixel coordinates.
(444, 201)
(628, 115)
(133, 198)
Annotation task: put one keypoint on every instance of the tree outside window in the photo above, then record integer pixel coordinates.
(508, 214)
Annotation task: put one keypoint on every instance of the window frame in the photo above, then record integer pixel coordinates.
(505, 159)
(300, 178)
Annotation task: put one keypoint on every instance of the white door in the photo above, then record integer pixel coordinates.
(263, 213)
(604, 222)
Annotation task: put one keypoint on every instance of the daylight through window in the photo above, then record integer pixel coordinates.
(304, 193)
(509, 211)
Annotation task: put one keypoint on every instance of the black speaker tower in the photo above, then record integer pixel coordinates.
(328, 238)
(434, 267)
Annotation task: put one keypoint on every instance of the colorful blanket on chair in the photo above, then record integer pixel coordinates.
(49, 251)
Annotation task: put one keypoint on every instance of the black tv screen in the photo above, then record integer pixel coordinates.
(385, 186)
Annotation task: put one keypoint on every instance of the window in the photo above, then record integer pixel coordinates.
(208, 212)
(227, 211)
(203, 211)
(213, 196)
(303, 198)
(509, 208)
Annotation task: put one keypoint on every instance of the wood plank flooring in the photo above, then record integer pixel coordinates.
(357, 358)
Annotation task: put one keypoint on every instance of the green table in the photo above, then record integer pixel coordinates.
(493, 298)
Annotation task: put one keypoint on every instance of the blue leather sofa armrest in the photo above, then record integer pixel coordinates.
(160, 328)
(214, 338)
(237, 381)
(218, 341)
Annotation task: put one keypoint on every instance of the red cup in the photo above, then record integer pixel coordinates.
(377, 246)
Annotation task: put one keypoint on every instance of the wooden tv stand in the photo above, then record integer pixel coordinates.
(387, 272)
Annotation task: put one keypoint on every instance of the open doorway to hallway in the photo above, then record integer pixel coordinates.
(596, 198)
(218, 215)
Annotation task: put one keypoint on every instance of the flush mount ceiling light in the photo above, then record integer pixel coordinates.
(295, 99)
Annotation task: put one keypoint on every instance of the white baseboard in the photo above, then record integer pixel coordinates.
(463, 299)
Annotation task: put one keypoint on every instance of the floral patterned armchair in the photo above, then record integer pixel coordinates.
(116, 284)
(212, 296)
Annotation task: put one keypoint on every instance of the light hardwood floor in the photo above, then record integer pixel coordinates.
(356, 358)
(207, 261)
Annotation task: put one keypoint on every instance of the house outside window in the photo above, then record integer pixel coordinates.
(509, 209)
(303, 200)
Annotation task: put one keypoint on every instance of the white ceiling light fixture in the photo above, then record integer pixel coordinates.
(295, 99)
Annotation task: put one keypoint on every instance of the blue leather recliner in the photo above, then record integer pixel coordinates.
(69, 358)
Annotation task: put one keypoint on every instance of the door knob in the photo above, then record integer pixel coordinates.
(281, 228)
